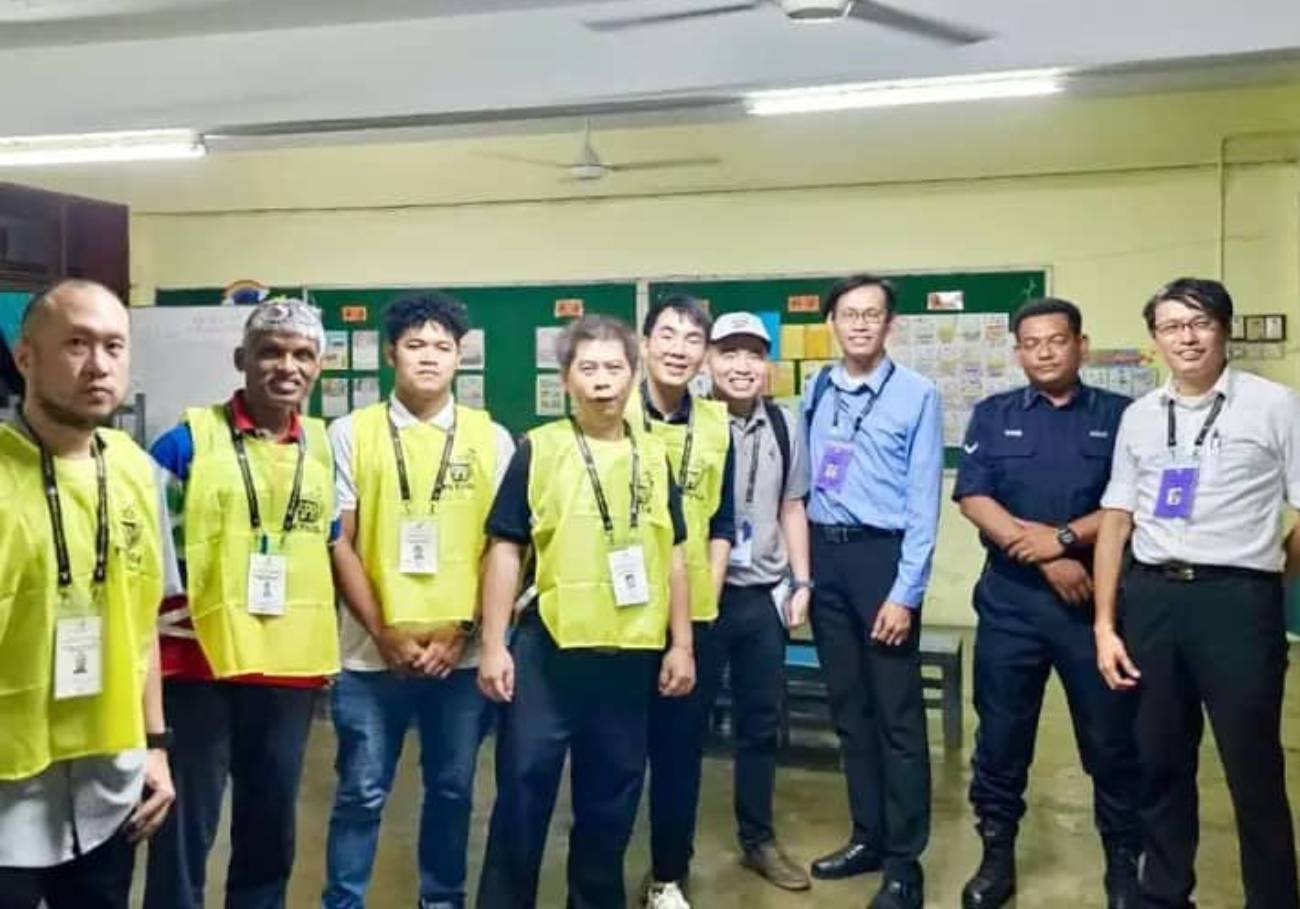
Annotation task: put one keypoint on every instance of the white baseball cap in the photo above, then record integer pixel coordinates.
(730, 324)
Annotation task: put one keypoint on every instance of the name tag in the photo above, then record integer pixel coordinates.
(1177, 492)
(834, 468)
(78, 657)
(267, 577)
(419, 546)
(742, 550)
(627, 572)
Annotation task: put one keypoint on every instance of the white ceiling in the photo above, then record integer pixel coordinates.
(74, 65)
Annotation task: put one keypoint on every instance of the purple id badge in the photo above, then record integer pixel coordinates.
(1177, 492)
(834, 466)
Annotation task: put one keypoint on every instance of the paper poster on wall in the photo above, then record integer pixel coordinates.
(333, 397)
(365, 391)
(791, 342)
(550, 395)
(780, 378)
(545, 347)
(365, 349)
(355, 313)
(803, 303)
(569, 308)
(469, 390)
(336, 351)
(945, 301)
(473, 350)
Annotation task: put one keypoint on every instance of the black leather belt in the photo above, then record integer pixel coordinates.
(847, 533)
(1188, 572)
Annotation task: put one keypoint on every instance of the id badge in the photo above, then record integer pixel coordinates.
(834, 467)
(78, 657)
(267, 575)
(627, 571)
(1177, 493)
(419, 546)
(742, 550)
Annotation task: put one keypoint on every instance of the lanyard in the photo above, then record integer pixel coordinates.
(51, 483)
(601, 503)
(872, 398)
(755, 450)
(1200, 436)
(440, 481)
(687, 446)
(255, 512)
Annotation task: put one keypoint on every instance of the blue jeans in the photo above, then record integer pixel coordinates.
(372, 712)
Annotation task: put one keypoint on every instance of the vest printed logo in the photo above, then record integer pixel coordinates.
(309, 515)
(693, 481)
(132, 528)
(646, 488)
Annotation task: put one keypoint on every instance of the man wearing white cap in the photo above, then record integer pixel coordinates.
(767, 584)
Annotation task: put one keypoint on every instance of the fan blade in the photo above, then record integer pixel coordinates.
(521, 159)
(921, 26)
(664, 164)
(613, 25)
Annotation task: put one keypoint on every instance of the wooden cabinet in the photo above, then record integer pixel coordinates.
(45, 236)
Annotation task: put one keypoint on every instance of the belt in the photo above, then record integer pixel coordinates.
(847, 533)
(1187, 572)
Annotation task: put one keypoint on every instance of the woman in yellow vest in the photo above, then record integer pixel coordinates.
(697, 434)
(251, 635)
(596, 503)
(415, 476)
(80, 581)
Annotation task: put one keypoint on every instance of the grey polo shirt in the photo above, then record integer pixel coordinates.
(753, 440)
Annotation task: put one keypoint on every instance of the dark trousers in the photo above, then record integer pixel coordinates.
(1025, 631)
(1218, 642)
(100, 879)
(875, 695)
(751, 640)
(255, 735)
(678, 727)
(592, 706)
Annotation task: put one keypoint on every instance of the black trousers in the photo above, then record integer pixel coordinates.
(875, 694)
(1025, 631)
(675, 752)
(751, 639)
(1220, 643)
(100, 879)
(592, 706)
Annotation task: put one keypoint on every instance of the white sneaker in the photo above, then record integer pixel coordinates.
(667, 896)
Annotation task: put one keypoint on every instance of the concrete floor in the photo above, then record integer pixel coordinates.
(1060, 861)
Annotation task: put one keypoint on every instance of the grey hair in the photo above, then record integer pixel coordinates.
(286, 315)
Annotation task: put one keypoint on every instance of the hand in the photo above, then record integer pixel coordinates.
(159, 793)
(496, 674)
(1035, 543)
(796, 608)
(677, 673)
(441, 653)
(893, 622)
(1117, 669)
(399, 649)
(1069, 579)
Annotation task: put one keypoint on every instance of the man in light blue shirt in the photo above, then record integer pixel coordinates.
(875, 436)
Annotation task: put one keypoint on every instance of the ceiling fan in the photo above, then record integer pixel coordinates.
(588, 165)
(870, 11)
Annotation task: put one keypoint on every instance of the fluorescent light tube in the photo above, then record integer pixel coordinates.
(898, 92)
(96, 148)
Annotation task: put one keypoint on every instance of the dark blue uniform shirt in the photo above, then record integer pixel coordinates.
(1040, 462)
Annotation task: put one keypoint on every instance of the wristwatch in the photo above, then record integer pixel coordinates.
(1067, 537)
(801, 584)
(159, 741)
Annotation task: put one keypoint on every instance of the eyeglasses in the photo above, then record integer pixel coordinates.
(1056, 343)
(862, 316)
(1201, 325)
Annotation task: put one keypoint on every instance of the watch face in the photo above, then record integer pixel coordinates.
(1067, 536)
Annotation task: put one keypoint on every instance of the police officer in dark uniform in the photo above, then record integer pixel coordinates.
(1034, 467)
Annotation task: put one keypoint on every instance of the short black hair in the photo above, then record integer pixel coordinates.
(692, 308)
(853, 282)
(1205, 294)
(1048, 306)
(414, 310)
(594, 328)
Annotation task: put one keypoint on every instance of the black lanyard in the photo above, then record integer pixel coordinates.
(51, 483)
(755, 450)
(687, 446)
(601, 503)
(440, 481)
(1205, 427)
(254, 511)
(872, 398)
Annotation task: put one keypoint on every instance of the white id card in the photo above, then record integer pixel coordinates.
(78, 657)
(267, 575)
(627, 571)
(742, 550)
(419, 546)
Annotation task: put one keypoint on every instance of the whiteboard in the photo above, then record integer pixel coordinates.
(183, 356)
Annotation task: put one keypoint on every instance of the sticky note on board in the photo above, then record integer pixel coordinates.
(817, 342)
(792, 342)
(781, 379)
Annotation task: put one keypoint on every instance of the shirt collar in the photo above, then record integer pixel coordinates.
(1083, 396)
(757, 417)
(874, 381)
(402, 417)
(682, 414)
(244, 424)
(1223, 386)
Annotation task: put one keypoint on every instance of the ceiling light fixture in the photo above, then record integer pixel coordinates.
(899, 92)
(97, 148)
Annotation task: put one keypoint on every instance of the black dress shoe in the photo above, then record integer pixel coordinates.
(1122, 889)
(848, 861)
(898, 895)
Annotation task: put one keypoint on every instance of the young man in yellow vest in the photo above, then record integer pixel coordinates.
(414, 480)
(697, 434)
(251, 636)
(606, 593)
(81, 554)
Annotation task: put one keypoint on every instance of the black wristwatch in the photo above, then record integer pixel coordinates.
(159, 741)
(1066, 537)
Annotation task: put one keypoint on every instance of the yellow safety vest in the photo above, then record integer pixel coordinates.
(451, 594)
(219, 539)
(575, 593)
(37, 729)
(701, 486)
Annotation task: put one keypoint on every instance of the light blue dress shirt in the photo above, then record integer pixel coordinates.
(895, 474)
